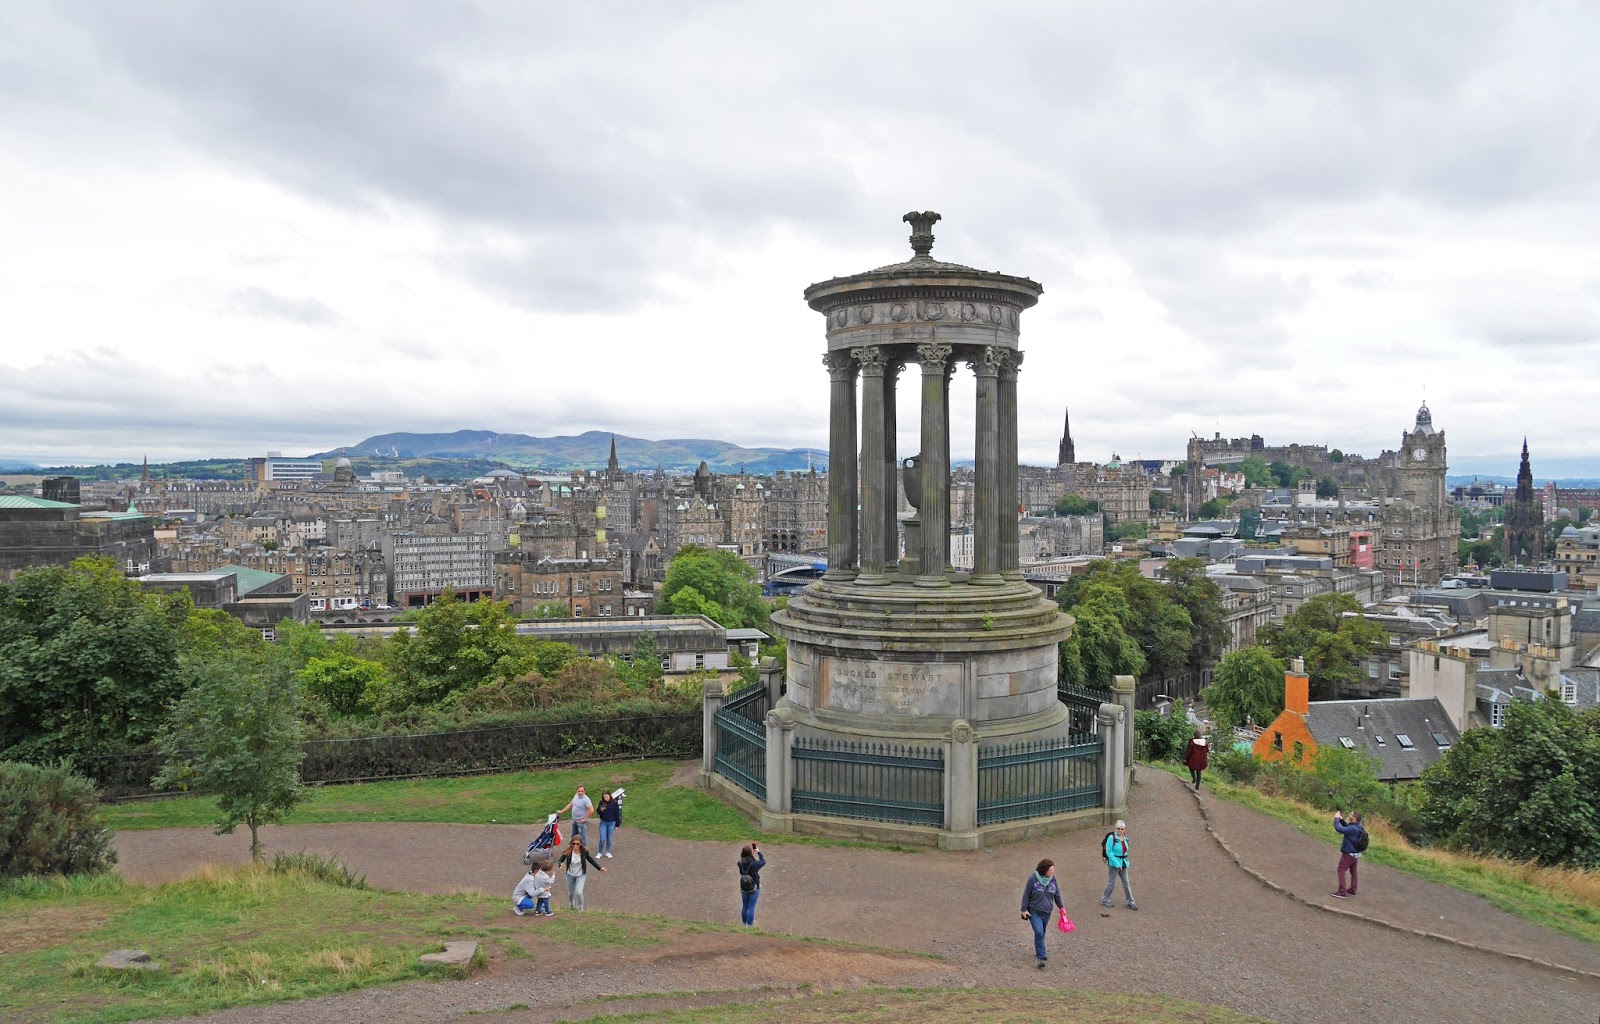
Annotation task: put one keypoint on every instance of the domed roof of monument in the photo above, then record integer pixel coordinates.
(1569, 531)
(923, 265)
(341, 463)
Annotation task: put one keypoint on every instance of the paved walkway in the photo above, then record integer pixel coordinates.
(1206, 930)
(1304, 869)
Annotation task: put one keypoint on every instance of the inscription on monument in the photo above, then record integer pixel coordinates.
(891, 687)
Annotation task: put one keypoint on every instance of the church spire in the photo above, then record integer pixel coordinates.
(1068, 453)
(144, 474)
(611, 463)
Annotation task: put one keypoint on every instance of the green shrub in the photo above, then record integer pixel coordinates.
(50, 823)
(324, 868)
(1239, 766)
(1162, 738)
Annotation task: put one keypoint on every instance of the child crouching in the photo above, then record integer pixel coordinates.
(533, 892)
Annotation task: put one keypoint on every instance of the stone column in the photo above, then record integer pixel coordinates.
(944, 538)
(934, 509)
(841, 467)
(771, 671)
(891, 466)
(1010, 498)
(1122, 693)
(961, 788)
(715, 696)
(873, 547)
(987, 486)
(1113, 780)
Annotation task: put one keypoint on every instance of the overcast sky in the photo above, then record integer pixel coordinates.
(233, 227)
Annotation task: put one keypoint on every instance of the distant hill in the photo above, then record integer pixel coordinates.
(588, 450)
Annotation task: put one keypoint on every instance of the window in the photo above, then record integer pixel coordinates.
(1441, 740)
(699, 661)
(1347, 743)
(1299, 751)
(1497, 715)
(1379, 740)
(1277, 741)
(1404, 740)
(1569, 693)
(1394, 672)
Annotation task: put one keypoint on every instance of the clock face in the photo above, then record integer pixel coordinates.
(1419, 455)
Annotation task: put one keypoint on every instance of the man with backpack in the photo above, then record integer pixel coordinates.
(1114, 851)
(1353, 845)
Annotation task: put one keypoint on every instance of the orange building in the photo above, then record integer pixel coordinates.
(1289, 736)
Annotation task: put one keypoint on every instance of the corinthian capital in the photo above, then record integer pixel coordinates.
(871, 358)
(840, 365)
(986, 361)
(933, 356)
(1010, 360)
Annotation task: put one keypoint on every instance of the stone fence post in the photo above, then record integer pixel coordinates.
(1122, 692)
(772, 680)
(1113, 774)
(716, 695)
(780, 760)
(961, 787)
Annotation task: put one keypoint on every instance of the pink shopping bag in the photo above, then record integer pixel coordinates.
(1064, 923)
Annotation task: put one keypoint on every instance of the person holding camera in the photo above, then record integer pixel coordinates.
(751, 861)
(1352, 844)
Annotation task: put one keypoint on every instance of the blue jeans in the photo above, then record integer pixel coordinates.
(581, 830)
(1040, 922)
(747, 912)
(542, 906)
(606, 829)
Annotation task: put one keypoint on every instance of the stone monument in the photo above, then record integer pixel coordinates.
(909, 649)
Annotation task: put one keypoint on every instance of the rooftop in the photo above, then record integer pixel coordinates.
(24, 501)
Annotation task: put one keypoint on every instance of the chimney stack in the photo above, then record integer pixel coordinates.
(1297, 688)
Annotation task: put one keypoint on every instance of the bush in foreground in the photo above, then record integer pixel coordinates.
(50, 823)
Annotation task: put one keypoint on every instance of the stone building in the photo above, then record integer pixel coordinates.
(585, 587)
(1578, 555)
(797, 512)
(34, 531)
(423, 565)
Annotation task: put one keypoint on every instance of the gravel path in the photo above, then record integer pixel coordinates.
(1206, 930)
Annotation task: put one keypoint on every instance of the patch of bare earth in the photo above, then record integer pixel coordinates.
(48, 925)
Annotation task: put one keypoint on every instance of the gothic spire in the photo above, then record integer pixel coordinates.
(611, 463)
(1068, 452)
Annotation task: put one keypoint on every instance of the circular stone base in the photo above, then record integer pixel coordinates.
(905, 662)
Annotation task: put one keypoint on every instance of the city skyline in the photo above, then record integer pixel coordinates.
(291, 227)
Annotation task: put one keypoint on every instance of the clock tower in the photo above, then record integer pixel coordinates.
(1421, 463)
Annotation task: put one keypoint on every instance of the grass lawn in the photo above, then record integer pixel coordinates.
(232, 937)
(1567, 901)
(992, 1006)
(651, 804)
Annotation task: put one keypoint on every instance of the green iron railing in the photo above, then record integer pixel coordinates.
(742, 741)
(1039, 778)
(873, 781)
(1083, 703)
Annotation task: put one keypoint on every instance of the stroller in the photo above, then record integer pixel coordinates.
(544, 844)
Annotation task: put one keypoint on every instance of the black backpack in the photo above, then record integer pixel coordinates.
(1104, 843)
(747, 883)
(1361, 840)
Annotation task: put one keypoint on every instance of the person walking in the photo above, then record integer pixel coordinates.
(1041, 897)
(1197, 758)
(576, 861)
(609, 811)
(1114, 850)
(751, 861)
(1351, 847)
(582, 808)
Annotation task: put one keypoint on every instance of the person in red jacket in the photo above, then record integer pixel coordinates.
(1196, 758)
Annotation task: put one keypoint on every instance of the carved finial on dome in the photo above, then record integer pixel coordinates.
(921, 231)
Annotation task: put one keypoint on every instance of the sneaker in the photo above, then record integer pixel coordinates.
(1041, 964)
(1105, 903)
(1133, 906)
(607, 855)
(518, 911)
(1341, 895)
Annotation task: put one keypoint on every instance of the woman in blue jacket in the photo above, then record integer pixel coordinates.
(1041, 897)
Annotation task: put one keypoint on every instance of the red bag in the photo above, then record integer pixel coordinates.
(1064, 923)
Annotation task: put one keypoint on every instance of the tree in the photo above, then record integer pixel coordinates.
(1213, 508)
(1336, 456)
(1329, 632)
(1099, 648)
(1327, 487)
(550, 610)
(1127, 531)
(1524, 791)
(1076, 505)
(342, 682)
(1285, 475)
(1256, 472)
(725, 587)
(688, 600)
(1160, 501)
(1199, 595)
(1246, 686)
(454, 646)
(1142, 612)
(89, 660)
(237, 733)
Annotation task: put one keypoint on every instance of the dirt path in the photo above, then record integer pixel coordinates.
(1206, 930)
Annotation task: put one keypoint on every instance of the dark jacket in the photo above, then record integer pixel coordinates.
(1350, 830)
(583, 863)
(1197, 756)
(610, 810)
(1040, 899)
(752, 866)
